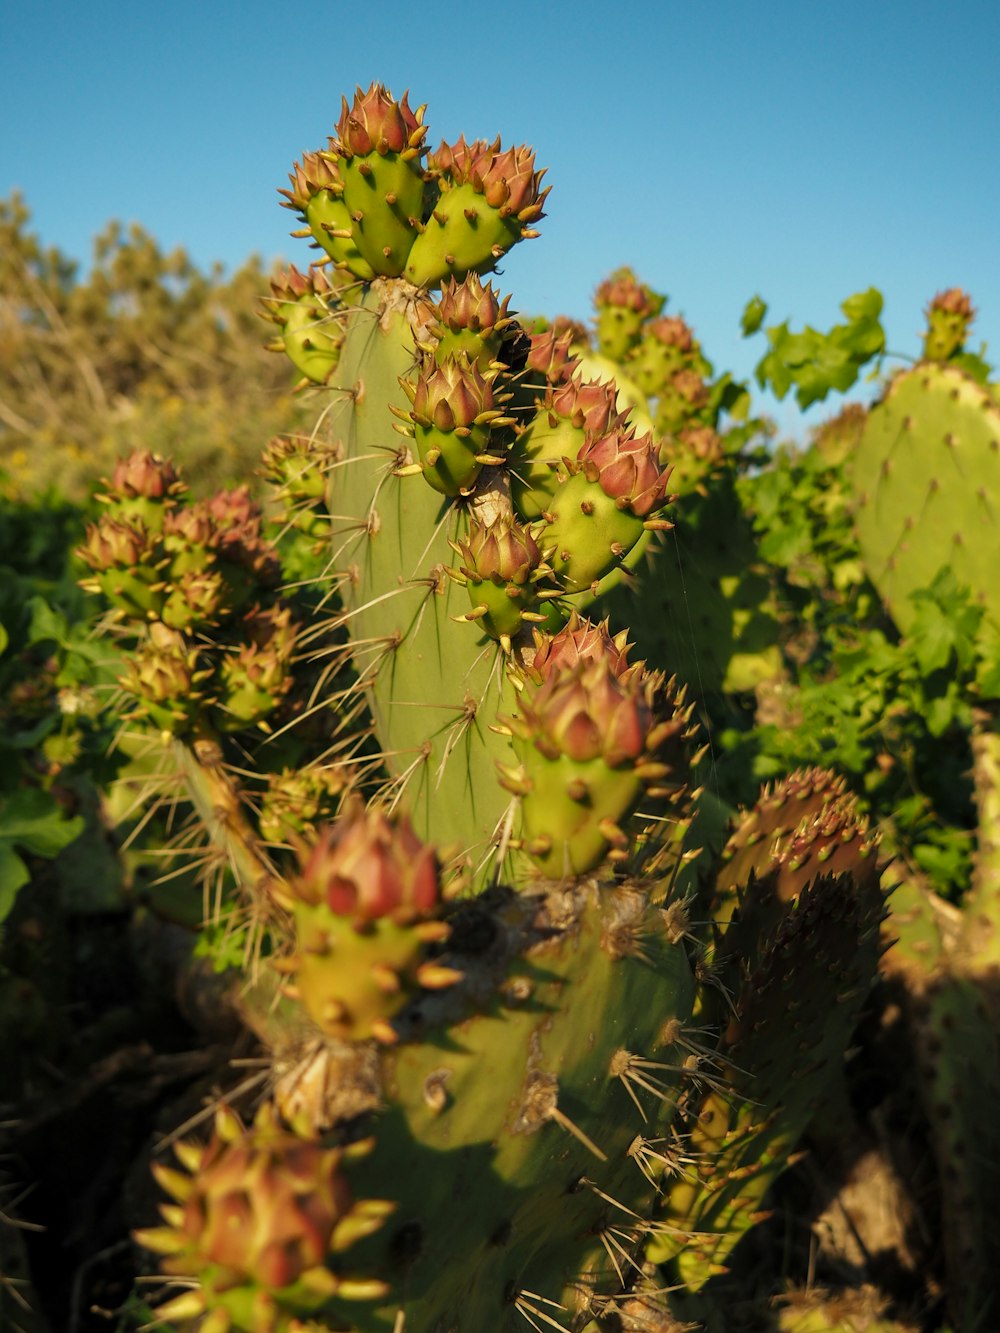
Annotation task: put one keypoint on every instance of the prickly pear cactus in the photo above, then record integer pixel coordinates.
(449, 813)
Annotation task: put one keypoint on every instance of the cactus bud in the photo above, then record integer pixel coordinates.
(550, 357)
(262, 1222)
(571, 414)
(380, 142)
(376, 122)
(304, 309)
(471, 320)
(505, 572)
(488, 198)
(127, 560)
(592, 736)
(949, 318)
(599, 513)
(454, 411)
(165, 677)
(143, 486)
(366, 904)
(623, 304)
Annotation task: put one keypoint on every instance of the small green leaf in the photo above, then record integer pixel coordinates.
(47, 624)
(863, 305)
(32, 819)
(973, 365)
(13, 876)
(940, 713)
(754, 314)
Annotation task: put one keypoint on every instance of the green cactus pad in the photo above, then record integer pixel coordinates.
(529, 1104)
(926, 477)
(703, 602)
(434, 689)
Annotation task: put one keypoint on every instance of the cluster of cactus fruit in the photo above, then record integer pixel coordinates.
(536, 1060)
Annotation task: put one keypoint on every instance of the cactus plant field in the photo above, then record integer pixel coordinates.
(515, 849)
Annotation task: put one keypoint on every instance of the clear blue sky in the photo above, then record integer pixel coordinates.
(803, 151)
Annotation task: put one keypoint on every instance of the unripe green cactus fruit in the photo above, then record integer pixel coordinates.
(487, 198)
(380, 142)
(304, 308)
(949, 318)
(317, 195)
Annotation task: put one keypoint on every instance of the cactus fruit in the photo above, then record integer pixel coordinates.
(458, 815)
(949, 318)
(365, 907)
(590, 748)
(623, 305)
(257, 1214)
(715, 618)
(304, 308)
(820, 1311)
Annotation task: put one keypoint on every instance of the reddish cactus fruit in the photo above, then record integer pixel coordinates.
(190, 540)
(571, 414)
(380, 142)
(506, 574)
(376, 123)
(594, 736)
(367, 903)
(550, 358)
(367, 867)
(949, 318)
(598, 514)
(623, 305)
(455, 411)
(489, 198)
(247, 558)
(167, 680)
(580, 641)
(128, 564)
(672, 331)
(264, 1221)
(143, 486)
(144, 475)
(471, 320)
